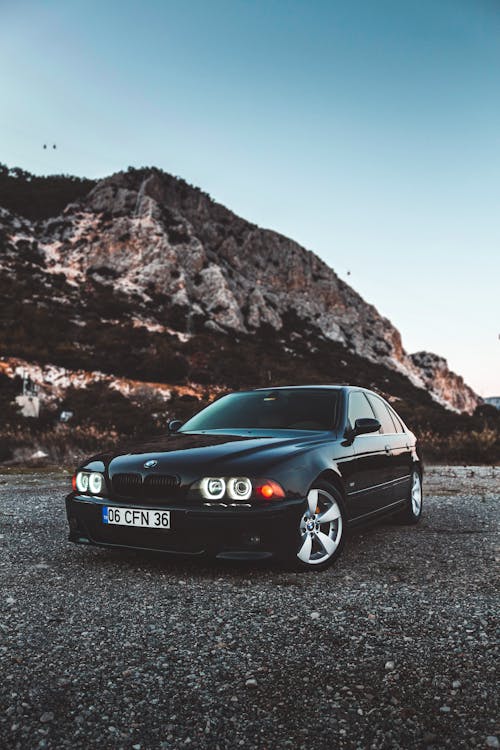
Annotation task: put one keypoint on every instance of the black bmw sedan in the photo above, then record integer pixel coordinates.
(277, 472)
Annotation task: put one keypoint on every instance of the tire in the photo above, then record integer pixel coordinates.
(317, 544)
(412, 511)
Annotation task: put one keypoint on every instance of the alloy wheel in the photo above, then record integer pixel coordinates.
(416, 494)
(320, 528)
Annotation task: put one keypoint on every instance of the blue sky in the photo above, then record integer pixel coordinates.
(367, 131)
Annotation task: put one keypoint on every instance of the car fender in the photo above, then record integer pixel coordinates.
(298, 474)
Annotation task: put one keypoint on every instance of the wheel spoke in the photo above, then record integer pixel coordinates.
(304, 553)
(416, 495)
(325, 541)
(312, 501)
(330, 514)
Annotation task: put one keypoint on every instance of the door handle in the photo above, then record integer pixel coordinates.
(387, 448)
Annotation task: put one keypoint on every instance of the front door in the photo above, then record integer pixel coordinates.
(369, 486)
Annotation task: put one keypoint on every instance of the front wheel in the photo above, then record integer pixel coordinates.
(321, 528)
(412, 510)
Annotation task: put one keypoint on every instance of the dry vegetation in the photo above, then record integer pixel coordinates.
(53, 324)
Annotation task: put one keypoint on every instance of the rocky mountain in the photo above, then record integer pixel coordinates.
(493, 401)
(145, 276)
(438, 378)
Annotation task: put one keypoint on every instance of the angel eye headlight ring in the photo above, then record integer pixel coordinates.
(239, 488)
(213, 488)
(82, 481)
(96, 483)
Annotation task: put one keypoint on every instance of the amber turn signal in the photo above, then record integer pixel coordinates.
(268, 489)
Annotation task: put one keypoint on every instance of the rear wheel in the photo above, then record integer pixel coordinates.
(412, 510)
(321, 528)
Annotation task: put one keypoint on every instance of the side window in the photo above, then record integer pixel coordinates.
(398, 423)
(383, 415)
(359, 407)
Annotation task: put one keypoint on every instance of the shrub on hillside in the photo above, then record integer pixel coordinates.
(468, 447)
(106, 409)
(39, 197)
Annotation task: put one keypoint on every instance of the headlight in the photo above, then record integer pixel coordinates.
(91, 482)
(212, 488)
(82, 481)
(95, 483)
(239, 488)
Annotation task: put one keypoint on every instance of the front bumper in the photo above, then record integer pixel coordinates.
(230, 533)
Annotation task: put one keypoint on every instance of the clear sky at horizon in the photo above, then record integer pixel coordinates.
(367, 131)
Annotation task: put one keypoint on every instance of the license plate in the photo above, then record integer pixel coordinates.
(149, 519)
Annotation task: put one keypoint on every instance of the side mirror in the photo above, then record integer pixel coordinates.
(364, 425)
(174, 425)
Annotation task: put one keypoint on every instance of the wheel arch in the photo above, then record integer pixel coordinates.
(331, 476)
(417, 465)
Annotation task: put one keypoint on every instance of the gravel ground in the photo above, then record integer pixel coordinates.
(393, 647)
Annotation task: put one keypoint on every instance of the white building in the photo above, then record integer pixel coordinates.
(29, 400)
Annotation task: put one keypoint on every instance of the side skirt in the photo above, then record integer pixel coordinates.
(385, 511)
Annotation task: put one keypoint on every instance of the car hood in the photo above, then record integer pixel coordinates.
(191, 454)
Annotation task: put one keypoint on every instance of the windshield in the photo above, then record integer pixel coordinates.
(287, 409)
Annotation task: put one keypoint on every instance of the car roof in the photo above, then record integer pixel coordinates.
(299, 387)
(327, 386)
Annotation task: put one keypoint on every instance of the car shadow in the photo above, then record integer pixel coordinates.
(204, 567)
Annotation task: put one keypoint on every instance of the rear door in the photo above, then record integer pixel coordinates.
(404, 459)
(397, 446)
(369, 486)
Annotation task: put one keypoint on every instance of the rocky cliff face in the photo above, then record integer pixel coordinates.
(446, 384)
(172, 260)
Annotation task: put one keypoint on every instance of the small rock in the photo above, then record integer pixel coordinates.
(456, 684)
(251, 682)
(445, 709)
(39, 454)
(10, 601)
(389, 666)
(314, 615)
(492, 741)
(46, 717)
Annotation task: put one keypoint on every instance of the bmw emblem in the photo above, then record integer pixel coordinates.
(151, 464)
